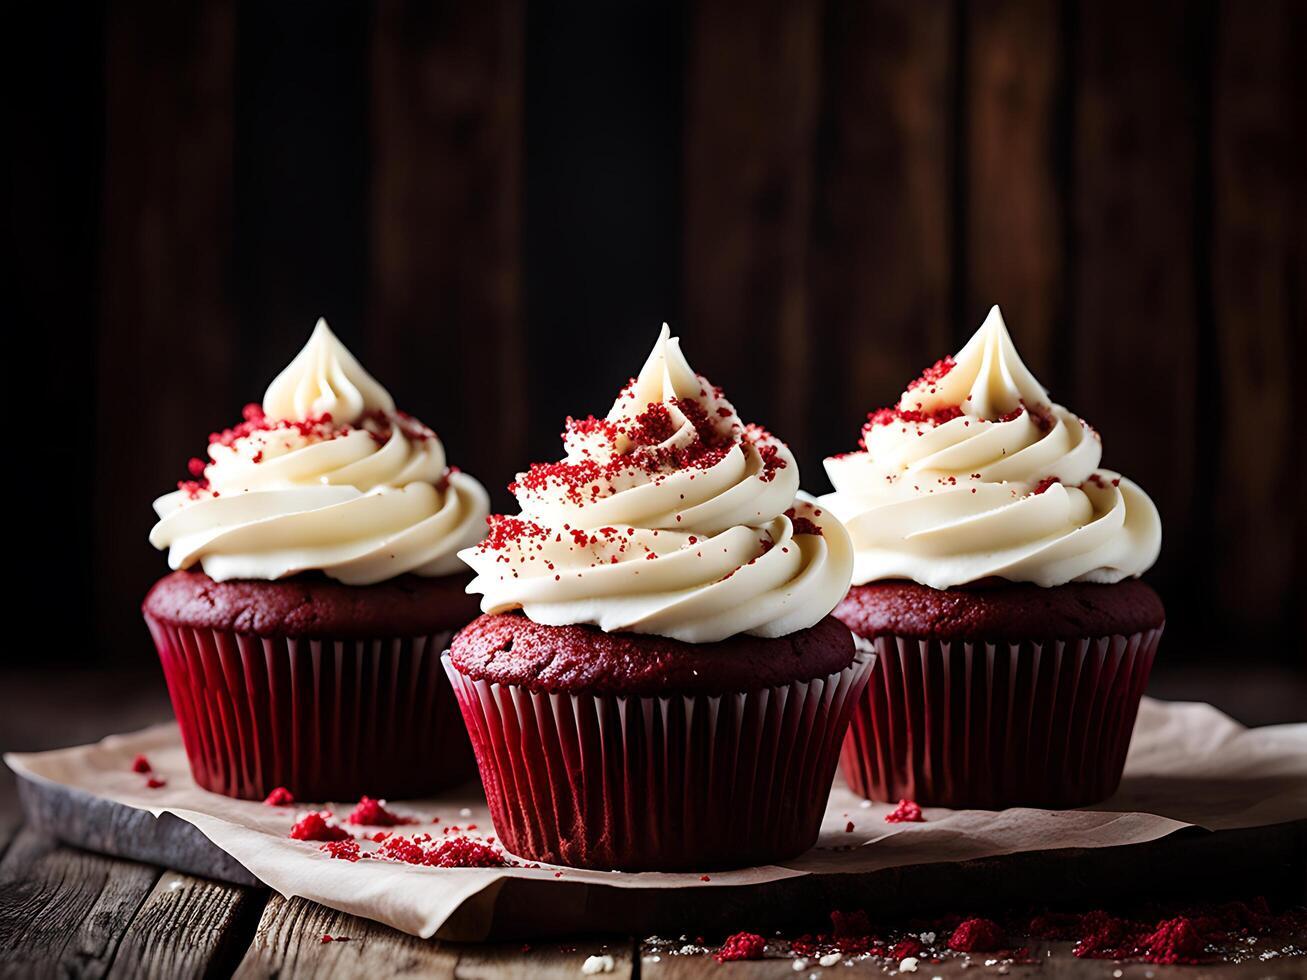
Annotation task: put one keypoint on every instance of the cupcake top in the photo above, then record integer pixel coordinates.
(326, 475)
(669, 516)
(976, 473)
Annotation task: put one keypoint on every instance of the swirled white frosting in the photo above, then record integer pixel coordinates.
(325, 475)
(669, 516)
(977, 473)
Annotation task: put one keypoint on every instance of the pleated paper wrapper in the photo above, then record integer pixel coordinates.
(667, 783)
(327, 719)
(995, 725)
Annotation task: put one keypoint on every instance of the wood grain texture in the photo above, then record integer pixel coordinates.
(165, 360)
(752, 85)
(1258, 263)
(288, 943)
(1136, 338)
(881, 263)
(445, 298)
(64, 912)
(188, 927)
(545, 961)
(1014, 204)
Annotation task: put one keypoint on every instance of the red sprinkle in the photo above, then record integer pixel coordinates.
(279, 797)
(905, 812)
(141, 764)
(742, 946)
(314, 826)
(372, 813)
(977, 936)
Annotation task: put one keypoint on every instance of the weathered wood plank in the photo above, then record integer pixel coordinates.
(752, 86)
(1258, 254)
(546, 961)
(289, 943)
(188, 927)
(881, 263)
(445, 302)
(1014, 206)
(63, 912)
(1135, 247)
(165, 358)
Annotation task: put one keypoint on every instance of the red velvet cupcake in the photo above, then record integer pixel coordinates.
(658, 684)
(995, 571)
(305, 654)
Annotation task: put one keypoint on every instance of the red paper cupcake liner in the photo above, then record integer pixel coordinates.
(692, 782)
(327, 719)
(992, 725)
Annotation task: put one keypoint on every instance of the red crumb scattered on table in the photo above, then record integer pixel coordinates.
(977, 936)
(704, 878)
(314, 826)
(905, 812)
(905, 948)
(279, 797)
(155, 782)
(141, 764)
(742, 946)
(373, 813)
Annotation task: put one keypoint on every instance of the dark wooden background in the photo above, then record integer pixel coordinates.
(497, 203)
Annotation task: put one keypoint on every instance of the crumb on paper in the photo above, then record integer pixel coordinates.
(597, 964)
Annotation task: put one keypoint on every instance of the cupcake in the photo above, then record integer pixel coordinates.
(316, 584)
(657, 683)
(995, 577)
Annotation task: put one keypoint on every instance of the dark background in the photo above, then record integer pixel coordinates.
(496, 204)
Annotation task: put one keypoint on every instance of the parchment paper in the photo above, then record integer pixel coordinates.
(1189, 765)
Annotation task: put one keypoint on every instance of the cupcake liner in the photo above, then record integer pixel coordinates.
(992, 725)
(329, 719)
(684, 782)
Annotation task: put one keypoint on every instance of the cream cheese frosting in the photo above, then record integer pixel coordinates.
(669, 516)
(977, 473)
(325, 475)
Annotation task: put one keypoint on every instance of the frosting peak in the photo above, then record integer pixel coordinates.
(987, 378)
(977, 473)
(325, 379)
(668, 516)
(326, 475)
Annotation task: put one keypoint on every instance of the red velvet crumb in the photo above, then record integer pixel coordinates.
(334, 939)
(141, 764)
(977, 936)
(742, 946)
(372, 813)
(344, 850)
(905, 812)
(154, 782)
(279, 797)
(314, 826)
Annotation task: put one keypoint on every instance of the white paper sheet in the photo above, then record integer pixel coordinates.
(1189, 765)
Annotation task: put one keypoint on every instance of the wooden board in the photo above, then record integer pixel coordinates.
(123, 831)
(1273, 860)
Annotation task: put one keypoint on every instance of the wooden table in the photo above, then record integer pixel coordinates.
(66, 912)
